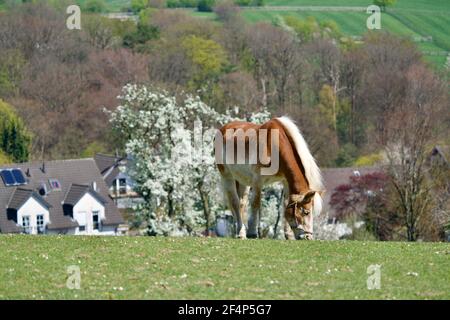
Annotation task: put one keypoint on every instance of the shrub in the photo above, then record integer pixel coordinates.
(96, 6)
(205, 5)
(346, 155)
(368, 160)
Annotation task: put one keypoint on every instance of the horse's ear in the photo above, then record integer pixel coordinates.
(308, 196)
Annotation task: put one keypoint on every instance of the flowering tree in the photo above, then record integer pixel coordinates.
(173, 157)
(174, 178)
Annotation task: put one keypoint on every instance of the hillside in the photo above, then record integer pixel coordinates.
(194, 268)
(426, 22)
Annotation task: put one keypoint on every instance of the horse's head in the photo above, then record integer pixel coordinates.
(299, 214)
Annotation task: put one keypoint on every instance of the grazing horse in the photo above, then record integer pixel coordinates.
(284, 157)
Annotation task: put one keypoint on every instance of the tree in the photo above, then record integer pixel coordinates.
(100, 31)
(382, 91)
(367, 198)
(138, 38)
(275, 53)
(4, 159)
(384, 3)
(158, 131)
(412, 129)
(15, 139)
(208, 59)
(171, 143)
(205, 5)
(138, 5)
(226, 10)
(95, 6)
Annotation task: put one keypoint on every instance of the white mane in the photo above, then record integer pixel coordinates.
(312, 171)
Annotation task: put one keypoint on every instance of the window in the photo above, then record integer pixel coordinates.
(40, 223)
(122, 186)
(26, 224)
(95, 220)
(82, 228)
(54, 184)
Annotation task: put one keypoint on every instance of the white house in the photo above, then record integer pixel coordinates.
(32, 211)
(121, 186)
(57, 197)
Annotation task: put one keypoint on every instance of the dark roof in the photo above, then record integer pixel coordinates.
(104, 162)
(77, 191)
(21, 195)
(334, 177)
(67, 172)
(108, 166)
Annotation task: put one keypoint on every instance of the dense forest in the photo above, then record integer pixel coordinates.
(359, 102)
(340, 91)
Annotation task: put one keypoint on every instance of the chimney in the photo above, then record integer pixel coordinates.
(28, 172)
(43, 167)
(94, 186)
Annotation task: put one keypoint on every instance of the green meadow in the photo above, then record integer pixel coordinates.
(36, 267)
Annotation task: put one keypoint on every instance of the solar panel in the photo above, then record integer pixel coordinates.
(8, 178)
(18, 176)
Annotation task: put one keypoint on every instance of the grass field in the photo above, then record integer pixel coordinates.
(193, 268)
(412, 18)
(435, 5)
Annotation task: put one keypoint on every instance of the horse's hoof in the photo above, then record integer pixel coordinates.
(252, 235)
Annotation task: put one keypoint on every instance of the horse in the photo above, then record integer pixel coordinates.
(251, 155)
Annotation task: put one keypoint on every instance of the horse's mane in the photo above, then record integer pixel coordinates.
(312, 171)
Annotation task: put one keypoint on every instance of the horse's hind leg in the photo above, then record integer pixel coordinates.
(255, 213)
(230, 189)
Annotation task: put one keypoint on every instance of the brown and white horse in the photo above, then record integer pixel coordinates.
(279, 141)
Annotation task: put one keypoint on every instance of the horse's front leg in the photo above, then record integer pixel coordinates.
(230, 188)
(243, 193)
(255, 213)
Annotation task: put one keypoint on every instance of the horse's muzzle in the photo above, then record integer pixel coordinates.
(301, 234)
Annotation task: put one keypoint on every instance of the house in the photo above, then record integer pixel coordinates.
(120, 185)
(56, 197)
